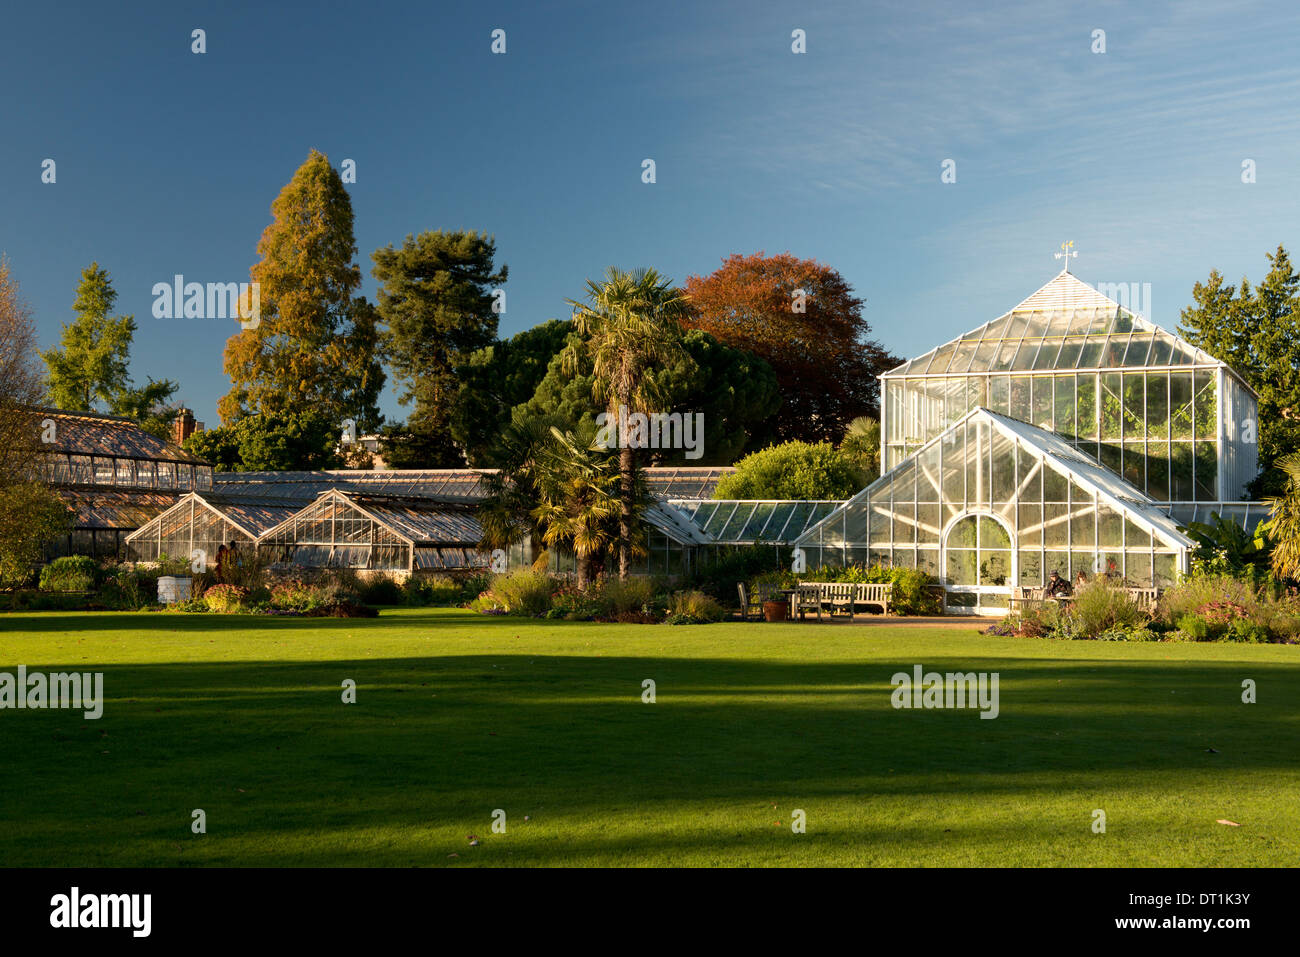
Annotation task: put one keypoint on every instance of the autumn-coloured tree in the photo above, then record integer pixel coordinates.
(803, 319)
(313, 347)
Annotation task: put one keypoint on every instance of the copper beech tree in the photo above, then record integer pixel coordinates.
(804, 320)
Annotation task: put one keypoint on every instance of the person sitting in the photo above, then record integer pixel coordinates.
(1080, 579)
(1058, 587)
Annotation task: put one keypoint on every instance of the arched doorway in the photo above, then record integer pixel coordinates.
(978, 564)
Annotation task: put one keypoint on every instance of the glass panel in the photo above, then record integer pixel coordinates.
(1031, 568)
(1135, 463)
(1206, 411)
(1158, 471)
(1082, 530)
(1157, 406)
(1207, 463)
(1065, 406)
(1181, 466)
(1087, 406)
(1180, 404)
(1134, 406)
(1111, 405)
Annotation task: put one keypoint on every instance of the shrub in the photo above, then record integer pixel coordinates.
(631, 596)
(523, 592)
(694, 608)
(1194, 628)
(1101, 606)
(423, 592)
(294, 594)
(69, 573)
(225, 599)
(381, 590)
(721, 568)
(793, 470)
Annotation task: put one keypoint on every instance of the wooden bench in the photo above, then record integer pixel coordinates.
(1144, 598)
(841, 598)
(873, 594)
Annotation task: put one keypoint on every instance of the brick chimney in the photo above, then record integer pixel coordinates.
(183, 426)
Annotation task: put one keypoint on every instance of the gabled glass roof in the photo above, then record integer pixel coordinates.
(745, 522)
(1057, 454)
(1064, 325)
(448, 485)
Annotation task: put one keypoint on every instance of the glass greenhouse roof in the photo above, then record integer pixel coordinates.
(90, 433)
(1065, 325)
(746, 522)
(447, 485)
(442, 484)
(1055, 453)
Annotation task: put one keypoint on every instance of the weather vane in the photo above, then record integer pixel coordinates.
(1067, 250)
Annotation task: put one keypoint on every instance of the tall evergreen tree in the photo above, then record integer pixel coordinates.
(314, 349)
(1257, 332)
(88, 369)
(436, 300)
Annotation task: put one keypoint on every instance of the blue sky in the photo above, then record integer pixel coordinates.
(167, 161)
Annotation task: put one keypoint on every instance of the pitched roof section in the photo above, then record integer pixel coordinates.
(1060, 456)
(92, 433)
(444, 485)
(1065, 325)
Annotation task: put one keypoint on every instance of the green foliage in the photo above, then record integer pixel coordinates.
(1282, 530)
(495, 379)
(735, 391)
(793, 470)
(69, 573)
(719, 569)
(1257, 332)
(628, 326)
(1100, 606)
(148, 407)
(31, 517)
(89, 365)
(861, 444)
(315, 347)
(914, 591)
(694, 608)
(523, 592)
(298, 440)
(226, 599)
(630, 595)
(436, 300)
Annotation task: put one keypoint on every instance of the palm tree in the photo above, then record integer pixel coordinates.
(576, 498)
(628, 325)
(1283, 526)
(505, 513)
(861, 443)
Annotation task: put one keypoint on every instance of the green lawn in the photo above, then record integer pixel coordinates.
(458, 715)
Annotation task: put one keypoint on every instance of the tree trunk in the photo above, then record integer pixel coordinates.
(627, 494)
(584, 570)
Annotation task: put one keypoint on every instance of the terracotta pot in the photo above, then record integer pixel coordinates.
(776, 610)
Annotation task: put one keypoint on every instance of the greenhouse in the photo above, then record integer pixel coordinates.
(113, 475)
(347, 530)
(1172, 420)
(199, 524)
(993, 503)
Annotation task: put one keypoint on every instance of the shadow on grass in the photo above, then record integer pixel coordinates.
(270, 746)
